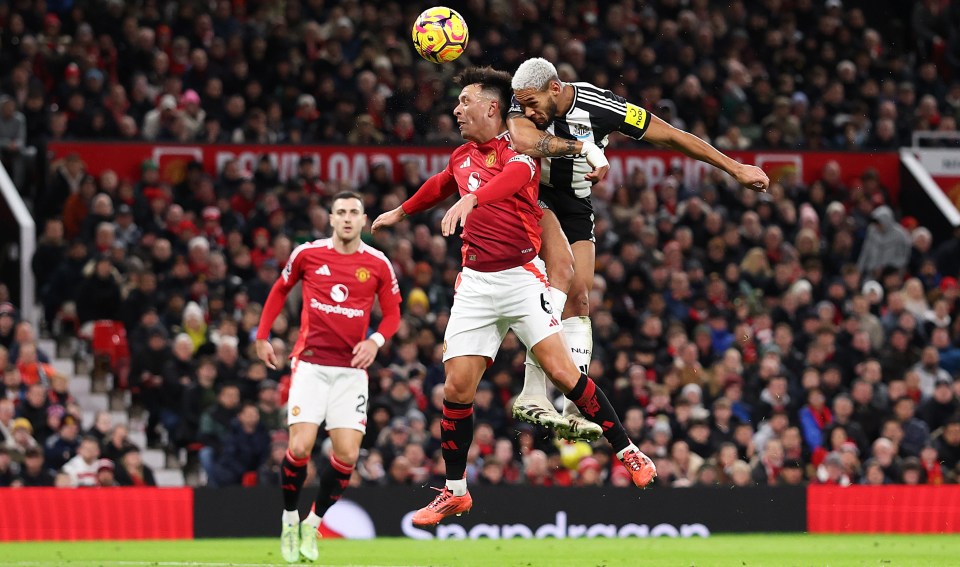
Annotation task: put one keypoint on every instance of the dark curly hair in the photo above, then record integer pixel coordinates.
(492, 81)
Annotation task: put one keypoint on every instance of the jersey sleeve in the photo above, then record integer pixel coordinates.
(289, 277)
(433, 191)
(616, 114)
(508, 156)
(389, 295)
(389, 289)
(293, 270)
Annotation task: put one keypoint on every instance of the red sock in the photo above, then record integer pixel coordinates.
(293, 471)
(334, 479)
(595, 406)
(456, 435)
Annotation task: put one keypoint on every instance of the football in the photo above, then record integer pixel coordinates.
(440, 34)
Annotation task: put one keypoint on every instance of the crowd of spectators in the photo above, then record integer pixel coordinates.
(852, 74)
(806, 335)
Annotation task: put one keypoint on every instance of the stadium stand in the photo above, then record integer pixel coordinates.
(808, 336)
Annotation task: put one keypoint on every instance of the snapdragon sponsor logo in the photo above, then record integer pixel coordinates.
(347, 312)
(560, 529)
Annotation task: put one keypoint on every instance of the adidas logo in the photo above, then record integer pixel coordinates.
(323, 270)
(466, 163)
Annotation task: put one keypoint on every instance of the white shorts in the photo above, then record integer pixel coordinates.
(487, 304)
(333, 394)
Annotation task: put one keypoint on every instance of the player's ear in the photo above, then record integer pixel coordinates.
(555, 87)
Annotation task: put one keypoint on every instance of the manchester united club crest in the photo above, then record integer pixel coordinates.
(491, 158)
(295, 411)
(363, 275)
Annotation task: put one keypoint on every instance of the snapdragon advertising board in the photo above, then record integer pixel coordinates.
(498, 513)
(352, 163)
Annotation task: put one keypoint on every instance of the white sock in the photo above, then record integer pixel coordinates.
(457, 487)
(579, 334)
(313, 520)
(630, 447)
(291, 517)
(534, 379)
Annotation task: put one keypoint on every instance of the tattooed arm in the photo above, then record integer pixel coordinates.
(528, 139)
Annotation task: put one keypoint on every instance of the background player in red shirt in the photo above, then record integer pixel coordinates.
(341, 276)
(502, 285)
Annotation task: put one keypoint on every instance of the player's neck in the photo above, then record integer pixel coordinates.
(488, 136)
(566, 99)
(346, 246)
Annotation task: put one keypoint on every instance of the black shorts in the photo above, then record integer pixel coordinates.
(574, 213)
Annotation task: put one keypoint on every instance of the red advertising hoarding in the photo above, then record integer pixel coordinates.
(884, 509)
(58, 514)
(352, 163)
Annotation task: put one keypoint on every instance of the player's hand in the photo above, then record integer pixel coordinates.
(597, 175)
(388, 219)
(597, 160)
(364, 353)
(752, 177)
(458, 214)
(266, 354)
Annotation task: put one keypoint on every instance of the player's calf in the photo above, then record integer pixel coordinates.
(595, 406)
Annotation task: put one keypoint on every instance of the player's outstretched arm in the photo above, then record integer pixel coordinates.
(518, 171)
(433, 192)
(527, 139)
(665, 135)
(388, 219)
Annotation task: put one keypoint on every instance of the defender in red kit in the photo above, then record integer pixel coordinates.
(341, 276)
(502, 286)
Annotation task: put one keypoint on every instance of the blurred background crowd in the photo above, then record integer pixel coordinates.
(806, 335)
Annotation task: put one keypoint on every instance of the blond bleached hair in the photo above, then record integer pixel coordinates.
(535, 73)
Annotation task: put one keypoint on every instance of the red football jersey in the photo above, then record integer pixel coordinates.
(338, 293)
(503, 234)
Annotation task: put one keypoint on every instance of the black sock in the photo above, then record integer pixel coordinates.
(334, 479)
(292, 474)
(456, 434)
(595, 406)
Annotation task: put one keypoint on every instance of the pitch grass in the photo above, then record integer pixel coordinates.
(722, 550)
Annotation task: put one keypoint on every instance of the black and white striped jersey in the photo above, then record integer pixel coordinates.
(595, 113)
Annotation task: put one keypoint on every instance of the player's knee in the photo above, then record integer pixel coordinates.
(560, 273)
(347, 455)
(299, 449)
(457, 391)
(578, 302)
(559, 262)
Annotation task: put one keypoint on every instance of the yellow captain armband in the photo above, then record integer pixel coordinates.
(636, 116)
